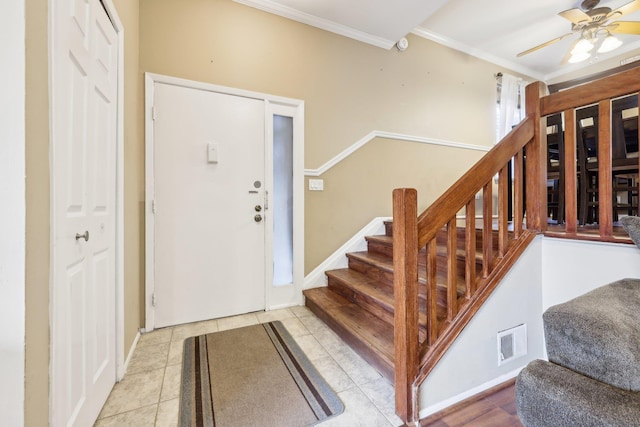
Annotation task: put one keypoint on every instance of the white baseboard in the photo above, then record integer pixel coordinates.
(281, 306)
(469, 393)
(130, 355)
(338, 259)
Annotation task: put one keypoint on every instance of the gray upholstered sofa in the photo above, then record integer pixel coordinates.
(592, 377)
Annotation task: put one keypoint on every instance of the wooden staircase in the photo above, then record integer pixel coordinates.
(403, 302)
(358, 303)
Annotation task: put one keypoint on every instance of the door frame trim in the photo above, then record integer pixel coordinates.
(273, 105)
(119, 213)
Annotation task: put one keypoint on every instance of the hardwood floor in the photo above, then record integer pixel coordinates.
(495, 407)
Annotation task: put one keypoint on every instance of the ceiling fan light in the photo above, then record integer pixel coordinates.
(582, 46)
(609, 43)
(578, 57)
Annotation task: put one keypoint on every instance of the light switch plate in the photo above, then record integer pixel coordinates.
(316, 185)
(212, 152)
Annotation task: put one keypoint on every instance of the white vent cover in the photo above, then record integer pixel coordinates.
(512, 344)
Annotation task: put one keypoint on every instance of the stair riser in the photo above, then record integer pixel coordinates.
(441, 240)
(374, 307)
(383, 249)
(367, 353)
(371, 271)
(442, 237)
(386, 277)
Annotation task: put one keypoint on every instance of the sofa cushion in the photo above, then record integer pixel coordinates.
(549, 395)
(598, 334)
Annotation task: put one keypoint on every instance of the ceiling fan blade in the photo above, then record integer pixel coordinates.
(576, 15)
(624, 9)
(545, 44)
(626, 27)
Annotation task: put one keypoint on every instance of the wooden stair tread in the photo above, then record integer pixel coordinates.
(364, 284)
(358, 303)
(385, 263)
(383, 240)
(380, 261)
(370, 336)
(370, 289)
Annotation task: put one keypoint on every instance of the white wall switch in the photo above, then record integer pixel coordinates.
(316, 184)
(212, 152)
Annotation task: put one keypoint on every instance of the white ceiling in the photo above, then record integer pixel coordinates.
(494, 30)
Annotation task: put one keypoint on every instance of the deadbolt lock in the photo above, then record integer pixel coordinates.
(258, 208)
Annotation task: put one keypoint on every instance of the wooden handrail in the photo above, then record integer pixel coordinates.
(411, 233)
(614, 86)
(502, 242)
(465, 189)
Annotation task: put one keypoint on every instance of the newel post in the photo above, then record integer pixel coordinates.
(405, 284)
(536, 161)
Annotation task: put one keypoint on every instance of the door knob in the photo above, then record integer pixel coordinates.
(84, 236)
(257, 218)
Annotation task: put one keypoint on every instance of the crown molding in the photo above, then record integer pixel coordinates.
(453, 44)
(314, 21)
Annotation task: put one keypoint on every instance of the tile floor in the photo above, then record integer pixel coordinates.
(148, 394)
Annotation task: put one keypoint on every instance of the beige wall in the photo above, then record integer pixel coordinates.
(349, 89)
(133, 174)
(38, 215)
(37, 239)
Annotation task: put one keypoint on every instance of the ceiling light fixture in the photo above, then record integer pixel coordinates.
(583, 46)
(579, 57)
(609, 43)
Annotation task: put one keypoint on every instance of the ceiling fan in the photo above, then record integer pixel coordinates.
(595, 26)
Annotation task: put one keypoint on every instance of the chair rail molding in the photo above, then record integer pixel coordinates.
(388, 135)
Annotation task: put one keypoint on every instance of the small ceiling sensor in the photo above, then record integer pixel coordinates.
(402, 44)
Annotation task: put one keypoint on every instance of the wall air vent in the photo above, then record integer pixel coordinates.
(512, 344)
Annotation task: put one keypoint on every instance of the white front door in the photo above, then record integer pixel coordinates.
(209, 178)
(83, 105)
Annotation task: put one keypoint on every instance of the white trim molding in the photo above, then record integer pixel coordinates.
(453, 44)
(424, 413)
(314, 21)
(13, 213)
(338, 259)
(388, 135)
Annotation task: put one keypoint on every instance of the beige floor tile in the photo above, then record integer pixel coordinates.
(140, 417)
(171, 383)
(331, 342)
(147, 358)
(155, 337)
(147, 394)
(273, 315)
(175, 352)
(357, 369)
(358, 412)
(168, 413)
(311, 347)
(333, 374)
(301, 311)
(233, 322)
(134, 391)
(181, 332)
(295, 327)
(381, 393)
(314, 325)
